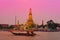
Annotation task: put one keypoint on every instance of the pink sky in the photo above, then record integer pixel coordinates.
(41, 9)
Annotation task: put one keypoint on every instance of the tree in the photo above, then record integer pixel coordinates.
(31, 26)
(51, 25)
(11, 27)
(0, 27)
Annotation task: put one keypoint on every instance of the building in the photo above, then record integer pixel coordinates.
(30, 23)
(4, 26)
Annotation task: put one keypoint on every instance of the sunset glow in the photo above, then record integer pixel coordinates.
(41, 10)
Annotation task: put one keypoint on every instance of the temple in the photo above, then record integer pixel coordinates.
(30, 23)
(28, 27)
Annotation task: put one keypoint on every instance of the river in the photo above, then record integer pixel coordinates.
(40, 36)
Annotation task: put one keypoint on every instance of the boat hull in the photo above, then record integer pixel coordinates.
(22, 33)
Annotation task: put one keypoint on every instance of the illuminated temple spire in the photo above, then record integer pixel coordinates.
(30, 15)
(30, 19)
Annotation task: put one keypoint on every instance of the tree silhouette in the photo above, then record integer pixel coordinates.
(11, 27)
(0, 27)
(51, 25)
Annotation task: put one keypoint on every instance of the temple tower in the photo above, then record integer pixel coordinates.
(30, 23)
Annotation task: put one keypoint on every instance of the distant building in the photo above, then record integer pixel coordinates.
(4, 26)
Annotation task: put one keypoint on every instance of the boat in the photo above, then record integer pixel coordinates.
(23, 33)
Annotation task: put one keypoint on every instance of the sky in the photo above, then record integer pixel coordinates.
(41, 9)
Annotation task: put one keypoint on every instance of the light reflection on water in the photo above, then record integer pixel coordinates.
(39, 36)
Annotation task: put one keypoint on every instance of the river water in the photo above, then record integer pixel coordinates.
(40, 36)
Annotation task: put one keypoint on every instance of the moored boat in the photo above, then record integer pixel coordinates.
(23, 33)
